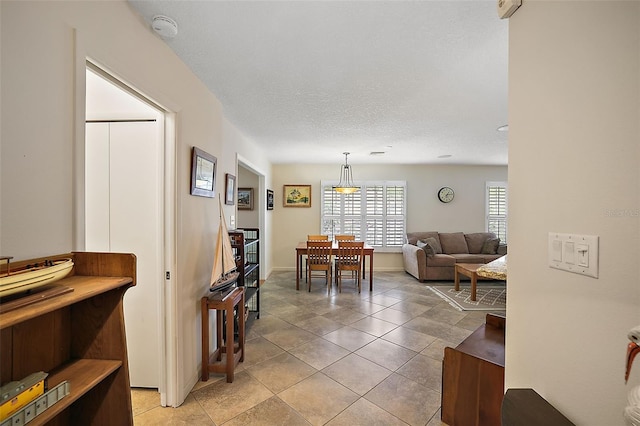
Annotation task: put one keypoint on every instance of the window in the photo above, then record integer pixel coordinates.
(375, 214)
(496, 209)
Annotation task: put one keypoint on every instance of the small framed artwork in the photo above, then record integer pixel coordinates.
(245, 198)
(297, 196)
(230, 190)
(203, 173)
(269, 199)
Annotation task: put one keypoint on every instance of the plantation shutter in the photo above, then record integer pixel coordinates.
(496, 208)
(376, 213)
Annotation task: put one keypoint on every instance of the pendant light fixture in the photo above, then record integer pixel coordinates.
(346, 185)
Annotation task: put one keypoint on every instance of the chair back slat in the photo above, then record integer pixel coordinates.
(350, 253)
(318, 237)
(319, 253)
(344, 237)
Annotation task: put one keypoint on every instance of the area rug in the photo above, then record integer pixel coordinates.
(488, 298)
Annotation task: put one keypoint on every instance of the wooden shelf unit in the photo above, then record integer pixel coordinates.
(78, 336)
(473, 376)
(246, 245)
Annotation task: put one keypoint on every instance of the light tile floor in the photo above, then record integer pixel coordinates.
(373, 358)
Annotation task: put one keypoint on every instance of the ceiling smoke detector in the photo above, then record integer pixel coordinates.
(165, 27)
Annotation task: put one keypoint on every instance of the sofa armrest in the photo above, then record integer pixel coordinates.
(502, 249)
(415, 261)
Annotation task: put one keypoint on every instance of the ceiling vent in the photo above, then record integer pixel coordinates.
(377, 153)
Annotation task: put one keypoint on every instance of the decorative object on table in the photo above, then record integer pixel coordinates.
(269, 199)
(445, 194)
(297, 196)
(346, 185)
(245, 198)
(33, 275)
(230, 190)
(488, 297)
(223, 273)
(203, 173)
(632, 411)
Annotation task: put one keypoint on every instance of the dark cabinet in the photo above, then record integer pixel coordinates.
(246, 246)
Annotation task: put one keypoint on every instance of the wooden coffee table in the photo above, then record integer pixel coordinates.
(468, 270)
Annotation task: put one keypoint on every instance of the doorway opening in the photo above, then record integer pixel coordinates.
(128, 204)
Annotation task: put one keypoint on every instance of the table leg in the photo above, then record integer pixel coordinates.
(298, 261)
(228, 342)
(205, 340)
(456, 278)
(371, 272)
(474, 282)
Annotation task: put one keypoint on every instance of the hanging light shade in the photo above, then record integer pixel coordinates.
(346, 185)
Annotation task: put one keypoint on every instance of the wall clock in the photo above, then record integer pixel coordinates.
(445, 194)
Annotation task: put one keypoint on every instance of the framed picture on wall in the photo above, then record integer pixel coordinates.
(297, 196)
(230, 190)
(203, 173)
(245, 198)
(269, 199)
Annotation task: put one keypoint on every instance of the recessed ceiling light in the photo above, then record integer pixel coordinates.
(504, 128)
(445, 156)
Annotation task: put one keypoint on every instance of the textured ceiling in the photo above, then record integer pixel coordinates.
(309, 80)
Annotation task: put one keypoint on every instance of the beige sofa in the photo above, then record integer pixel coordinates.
(432, 255)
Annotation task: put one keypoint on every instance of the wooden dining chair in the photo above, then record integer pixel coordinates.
(344, 237)
(319, 261)
(349, 259)
(311, 237)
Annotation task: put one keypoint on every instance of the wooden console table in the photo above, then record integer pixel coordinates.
(473, 377)
(235, 352)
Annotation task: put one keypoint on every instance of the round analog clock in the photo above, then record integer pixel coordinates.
(445, 194)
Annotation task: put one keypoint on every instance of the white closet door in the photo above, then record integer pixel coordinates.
(134, 224)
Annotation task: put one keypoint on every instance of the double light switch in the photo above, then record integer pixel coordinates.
(574, 253)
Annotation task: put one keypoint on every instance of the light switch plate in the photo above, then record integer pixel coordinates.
(578, 253)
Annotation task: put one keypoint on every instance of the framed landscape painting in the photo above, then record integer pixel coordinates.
(245, 198)
(297, 196)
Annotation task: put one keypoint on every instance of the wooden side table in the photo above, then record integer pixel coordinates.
(235, 351)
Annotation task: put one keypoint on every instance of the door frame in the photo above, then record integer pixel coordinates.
(168, 383)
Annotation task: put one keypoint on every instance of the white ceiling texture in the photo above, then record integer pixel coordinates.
(308, 80)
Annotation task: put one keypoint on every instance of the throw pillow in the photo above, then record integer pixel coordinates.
(428, 246)
(435, 244)
(490, 246)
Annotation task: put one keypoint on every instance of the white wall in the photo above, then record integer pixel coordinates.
(424, 212)
(574, 157)
(44, 46)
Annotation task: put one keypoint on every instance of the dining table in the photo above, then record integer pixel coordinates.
(301, 250)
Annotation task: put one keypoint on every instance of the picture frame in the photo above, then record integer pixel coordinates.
(269, 199)
(245, 198)
(203, 173)
(296, 196)
(230, 190)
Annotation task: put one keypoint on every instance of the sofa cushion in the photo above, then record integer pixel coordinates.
(476, 240)
(490, 246)
(441, 260)
(468, 258)
(413, 237)
(453, 243)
